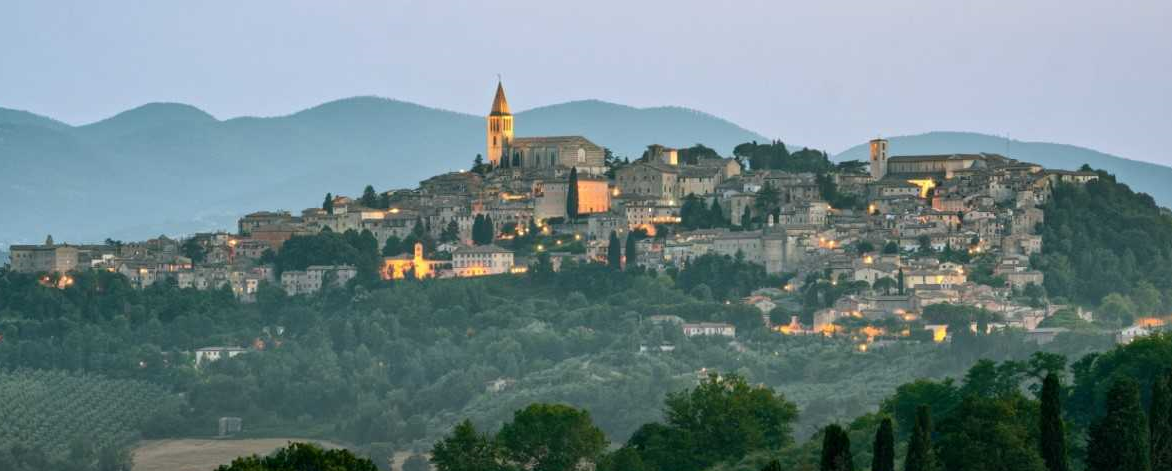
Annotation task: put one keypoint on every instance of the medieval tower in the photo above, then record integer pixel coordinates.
(878, 158)
(500, 127)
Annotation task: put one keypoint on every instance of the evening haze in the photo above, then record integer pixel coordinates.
(824, 74)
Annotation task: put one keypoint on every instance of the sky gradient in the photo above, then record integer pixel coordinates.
(826, 74)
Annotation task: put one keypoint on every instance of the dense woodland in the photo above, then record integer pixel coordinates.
(1104, 244)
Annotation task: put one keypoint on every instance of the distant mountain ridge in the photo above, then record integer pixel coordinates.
(173, 168)
(1145, 177)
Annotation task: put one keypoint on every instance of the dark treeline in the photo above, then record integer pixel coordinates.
(1014, 415)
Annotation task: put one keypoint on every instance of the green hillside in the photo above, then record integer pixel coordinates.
(1142, 176)
(53, 411)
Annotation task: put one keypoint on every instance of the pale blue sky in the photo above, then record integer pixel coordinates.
(824, 73)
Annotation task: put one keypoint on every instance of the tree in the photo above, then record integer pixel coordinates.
(551, 437)
(328, 204)
(1118, 441)
(746, 219)
(891, 248)
(482, 231)
(1117, 309)
(614, 252)
(985, 434)
(900, 282)
(623, 459)
(416, 462)
(302, 456)
(1160, 422)
(194, 250)
(369, 198)
(1053, 430)
(451, 232)
(465, 449)
(478, 166)
(885, 285)
(767, 198)
(883, 451)
(836, 450)
(572, 195)
(393, 246)
(716, 215)
(724, 418)
(919, 449)
(632, 252)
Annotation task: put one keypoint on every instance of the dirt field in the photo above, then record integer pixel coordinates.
(202, 455)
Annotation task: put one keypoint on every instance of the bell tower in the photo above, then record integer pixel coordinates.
(500, 127)
(878, 158)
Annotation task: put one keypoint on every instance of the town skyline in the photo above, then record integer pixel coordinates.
(827, 77)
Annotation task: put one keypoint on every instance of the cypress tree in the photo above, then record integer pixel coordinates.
(632, 252)
(1160, 419)
(328, 204)
(572, 195)
(369, 197)
(715, 214)
(1118, 441)
(614, 252)
(1053, 431)
(919, 447)
(883, 452)
(901, 281)
(746, 219)
(478, 229)
(836, 450)
(489, 230)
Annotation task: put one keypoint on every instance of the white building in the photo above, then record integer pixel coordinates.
(210, 354)
(481, 260)
(709, 329)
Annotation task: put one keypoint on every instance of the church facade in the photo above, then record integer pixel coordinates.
(505, 150)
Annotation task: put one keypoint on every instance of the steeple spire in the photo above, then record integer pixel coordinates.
(500, 106)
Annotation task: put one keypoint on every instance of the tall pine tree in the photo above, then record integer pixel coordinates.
(1053, 431)
(328, 204)
(920, 456)
(614, 252)
(836, 450)
(1160, 420)
(572, 195)
(1118, 441)
(883, 452)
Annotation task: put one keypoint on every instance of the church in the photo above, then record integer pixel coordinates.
(506, 151)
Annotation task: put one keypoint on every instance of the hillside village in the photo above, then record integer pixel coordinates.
(878, 241)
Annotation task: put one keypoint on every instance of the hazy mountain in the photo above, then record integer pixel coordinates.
(1141, 176)
(173, 168)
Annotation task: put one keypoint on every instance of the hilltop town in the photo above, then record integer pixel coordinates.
(878, 240)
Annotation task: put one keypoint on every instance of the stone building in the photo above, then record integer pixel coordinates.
(505, 150)
(47, 258)
(481, 260)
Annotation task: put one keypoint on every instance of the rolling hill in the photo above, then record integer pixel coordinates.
(1141, 176)
(172, 168)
